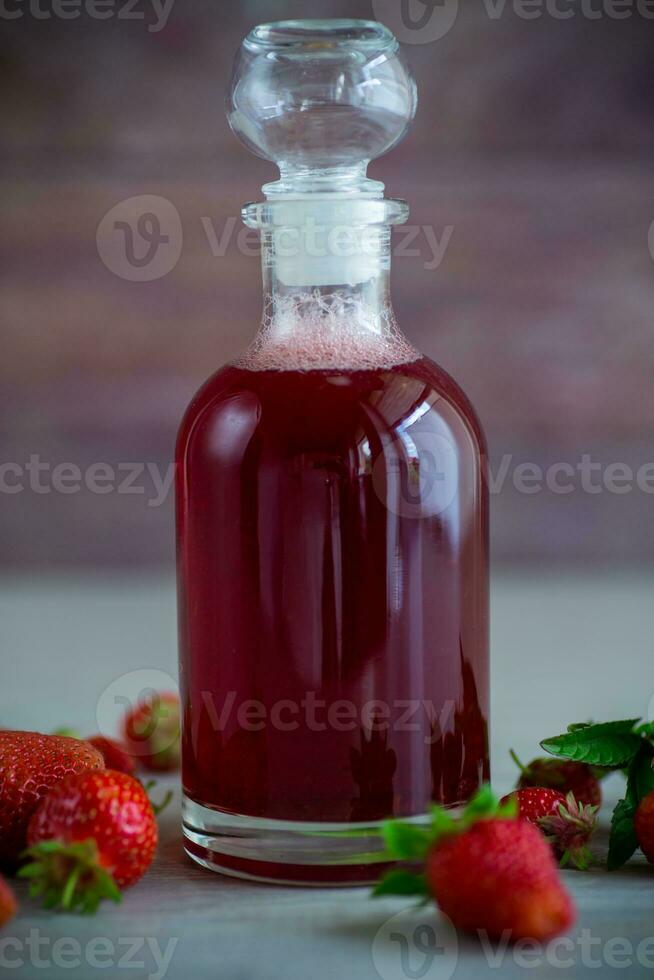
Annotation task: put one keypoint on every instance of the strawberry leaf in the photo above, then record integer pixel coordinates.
(623, 841)
(640, 781)
(640, 776)
(158, 808)
(68, 876)
(611, 743)
(482, 804)
(406, 841)
(401, 883)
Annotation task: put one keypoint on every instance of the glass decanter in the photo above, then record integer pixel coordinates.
(332, 513)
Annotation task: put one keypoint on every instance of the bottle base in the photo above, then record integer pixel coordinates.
(284, 852)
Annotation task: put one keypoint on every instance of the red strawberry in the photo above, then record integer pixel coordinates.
(535, 802)
(562, 774)
(487, 870)
(569, 829)
(8, 904)
(499, 876)
(114, 753)
(30, 765)
(151, 732)
(644, 824)
(92, 835)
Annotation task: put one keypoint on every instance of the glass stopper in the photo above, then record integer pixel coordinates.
(321, 98)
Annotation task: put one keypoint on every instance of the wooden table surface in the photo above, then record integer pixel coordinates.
(566, 647)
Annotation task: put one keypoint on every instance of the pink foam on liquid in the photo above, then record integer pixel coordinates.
(310, 341)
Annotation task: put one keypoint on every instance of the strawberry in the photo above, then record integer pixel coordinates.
(114, 753)
(562, 774)
(499, 876)
(8, 904)
(93, 835)
(30, 765)
(487, 871)
(644, 826)
(151, 732)
(569, 829)
(567, 824)
(535, 802)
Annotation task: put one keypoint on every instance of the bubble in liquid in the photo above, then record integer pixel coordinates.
(314, 332)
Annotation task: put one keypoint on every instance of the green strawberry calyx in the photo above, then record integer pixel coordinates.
(569, 830)
(410, 843)
(69, 876)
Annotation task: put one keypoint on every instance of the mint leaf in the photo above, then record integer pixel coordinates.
(640, 776)
(406, 841)
(623, 841)
(578, 725)
(401, 883)
(611, 743)
(640, 781)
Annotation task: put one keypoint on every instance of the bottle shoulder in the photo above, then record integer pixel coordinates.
(234, 397)
(451, 391)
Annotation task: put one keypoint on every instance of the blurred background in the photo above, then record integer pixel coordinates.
(529, 275)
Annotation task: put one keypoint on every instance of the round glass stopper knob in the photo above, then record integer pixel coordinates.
(321, 98)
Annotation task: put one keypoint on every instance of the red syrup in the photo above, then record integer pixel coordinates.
(332, 536)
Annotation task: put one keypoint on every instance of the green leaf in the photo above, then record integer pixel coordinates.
(508, 810)
(623, 841)
(611, 743)
(442, 822)
(401, 883)
(69, 876)
(406, 841)
(482, 804)
(640, 775)
(578, 725)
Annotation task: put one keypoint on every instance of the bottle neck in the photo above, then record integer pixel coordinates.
(327, 274)
(326, 268)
